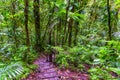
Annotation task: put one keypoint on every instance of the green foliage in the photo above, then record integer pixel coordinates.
(117, 4)
(32, 55)
(59, 49)
(110, 53)
(14, 70)
(84, 54)
(100, 74)
(88, 20)
(76, 16)
(62, 60)
(12, 65)
(10, 71)
(116, 70)
(75, 57)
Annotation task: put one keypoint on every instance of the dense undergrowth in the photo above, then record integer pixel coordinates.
(13, 65)
(102, 60)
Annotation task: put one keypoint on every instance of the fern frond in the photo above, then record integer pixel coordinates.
(11, 71)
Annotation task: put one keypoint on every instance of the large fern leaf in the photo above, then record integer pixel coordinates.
(11, 71)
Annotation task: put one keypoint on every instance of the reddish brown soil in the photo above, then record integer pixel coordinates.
(48, 71)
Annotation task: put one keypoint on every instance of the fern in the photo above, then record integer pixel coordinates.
(11, 71)
(59, 49)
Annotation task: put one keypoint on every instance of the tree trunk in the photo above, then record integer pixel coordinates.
(26, 23)
(109, 20)
(70, 24)
(70, 32)
(76, 24)
(37, 25)
(64, 39)
(26, 28)
(14, 22)
(76, 33)
(59, 32)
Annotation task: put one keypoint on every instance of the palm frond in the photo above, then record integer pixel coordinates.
(11, 71)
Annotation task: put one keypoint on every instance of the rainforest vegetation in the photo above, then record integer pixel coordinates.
(81, 36)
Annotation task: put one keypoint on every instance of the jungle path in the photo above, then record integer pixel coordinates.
(48, 71)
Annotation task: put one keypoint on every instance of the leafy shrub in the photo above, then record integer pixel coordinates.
(59, 49)
(73, 57)
(99, 74)
(96, 56)
(61, 60)
(116, 70)
(12, 65)
(15, 70)
(110, 53)
(11, 71)
(84, 54)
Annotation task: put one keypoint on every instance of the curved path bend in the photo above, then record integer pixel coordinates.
(48, 71)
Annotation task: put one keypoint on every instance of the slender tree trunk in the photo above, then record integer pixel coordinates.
(55, 37)
(37, 25)
(70, 29)
(59, 32)
(26, 23)
(64, 39)
(14, 22)
(114, 25)
(26, 28)
(76, 33)
(76, 24)
(70, 32)
(109, 20)
(50, 32)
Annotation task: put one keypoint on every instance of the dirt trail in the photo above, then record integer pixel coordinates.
(48, 71)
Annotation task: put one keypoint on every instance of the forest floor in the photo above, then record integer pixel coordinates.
(48, 71)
